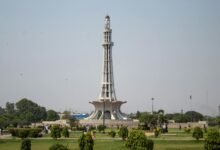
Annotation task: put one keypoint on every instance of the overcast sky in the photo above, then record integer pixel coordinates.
(51, 53)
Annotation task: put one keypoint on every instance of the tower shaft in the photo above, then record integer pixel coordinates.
(107, 86)
(107, 106)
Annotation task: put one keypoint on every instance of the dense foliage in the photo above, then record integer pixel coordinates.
(112, 133)
(186, 117)
(123, 132)
(23, 113)
(212, 142)
(26, 144)
(137, 140)
(52, 115)
(25, 132)
(197, 133)
(86, 142)
(65, 132)
(55, 132)
(101, 128)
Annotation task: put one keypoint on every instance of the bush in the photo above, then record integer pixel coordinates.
(25, 132)
(212, 142)
(65, 132)
(112, 133)
(187, 130)
(123, 132)
(13, 132)
(81, 128)
(34, 133)
(197, 133)
(55, 132)
(26, 144)
(58, 146)
(82, 142)
(149, 144)
(101, 128)
(156, 132)
(86, 142)
(138, 140)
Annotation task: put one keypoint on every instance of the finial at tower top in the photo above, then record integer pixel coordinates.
(107, 22)
(107, 17)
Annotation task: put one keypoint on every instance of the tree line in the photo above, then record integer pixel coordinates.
(24, 112)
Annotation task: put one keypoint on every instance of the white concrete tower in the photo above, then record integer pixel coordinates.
(107, 106)
(107, 87)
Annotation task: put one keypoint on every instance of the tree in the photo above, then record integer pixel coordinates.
(30, 111)
(2, 111)
(52, 115)
(86, 142)
(26, 144)
(194, 116)
(138, 140)
(112, 133)
(101, 128)
(197, 133)
(55, 132)
(65, 132)
(212, 142)
(10, 108)
(123, 132)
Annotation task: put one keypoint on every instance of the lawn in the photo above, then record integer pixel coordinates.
(174, 140)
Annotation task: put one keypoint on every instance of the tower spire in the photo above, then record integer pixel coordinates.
(107, 106)
(107, 85)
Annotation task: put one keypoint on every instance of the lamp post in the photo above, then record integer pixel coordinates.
(103, 112)
(152, 105)
(190, 98)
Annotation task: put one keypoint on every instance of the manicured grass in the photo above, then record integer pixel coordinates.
(109, 144)
(174, 140)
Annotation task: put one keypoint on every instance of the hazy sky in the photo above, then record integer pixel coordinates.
(51, 53)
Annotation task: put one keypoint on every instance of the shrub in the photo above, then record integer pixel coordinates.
(101, 128)
(149, 144)
(89, 142)
(156, 132)
(123, 132)
(13, 132)
(58, 146)
(65, 132)
(34, 133)
(86, 142)
(212, 142)
(112, 133)
(187, 130)
(81, 142)
(23, 133)
(55, 132)
(138, 140)
(197, 133)
(81, 128)
(26, 144)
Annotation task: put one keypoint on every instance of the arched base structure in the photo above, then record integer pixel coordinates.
(107, 110)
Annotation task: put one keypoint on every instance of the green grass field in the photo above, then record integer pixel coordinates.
(174, 140)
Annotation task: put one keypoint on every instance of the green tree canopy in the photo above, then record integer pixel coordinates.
(30, 111)
(52, 115)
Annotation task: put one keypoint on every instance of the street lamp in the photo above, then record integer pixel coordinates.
(190, 98)
(152, 105)
(103, 113)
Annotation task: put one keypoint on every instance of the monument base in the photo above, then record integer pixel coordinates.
(110, 123)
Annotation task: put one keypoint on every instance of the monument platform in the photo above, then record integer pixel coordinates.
(110, 123)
